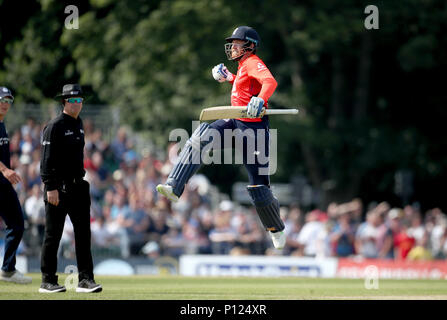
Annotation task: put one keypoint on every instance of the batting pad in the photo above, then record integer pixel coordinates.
(189, 160)
(267, 207)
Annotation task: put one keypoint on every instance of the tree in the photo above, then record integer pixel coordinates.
(360, 92)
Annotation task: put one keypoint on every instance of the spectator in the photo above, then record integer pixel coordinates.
(332, 212)
(197, 241)
(403, 241)
(101, 236)
(223, 235)
(421, 251)
(35, 210)
(309, 234)
(206, 222)
(343, 236)
(356, 211)
(119, 208)
(293, 224)
(15, 142)
(417, 229)
(438, 232)
(32, 129)
(159, 226)
(249, 233)
(33, 176)
(366, 236)
(115, 222)
(151, 250)
(386, 229)
(119, 145)
(173, 243)
(136, 222)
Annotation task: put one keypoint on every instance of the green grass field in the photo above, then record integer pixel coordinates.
(206, 288)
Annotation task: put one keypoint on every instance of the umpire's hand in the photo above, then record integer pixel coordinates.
(53, 197)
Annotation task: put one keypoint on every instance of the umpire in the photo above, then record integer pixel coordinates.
(66, 192)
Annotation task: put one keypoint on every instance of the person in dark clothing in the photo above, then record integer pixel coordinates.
(66, 192)
(10, 209)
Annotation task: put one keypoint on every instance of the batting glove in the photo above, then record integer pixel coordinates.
(254, 107)
(221, 73)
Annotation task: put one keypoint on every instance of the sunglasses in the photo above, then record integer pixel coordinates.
(6, 100)
(74, 100)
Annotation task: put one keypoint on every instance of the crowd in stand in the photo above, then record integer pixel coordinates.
(128, 218)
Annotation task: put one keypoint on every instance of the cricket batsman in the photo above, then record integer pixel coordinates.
(253, 84)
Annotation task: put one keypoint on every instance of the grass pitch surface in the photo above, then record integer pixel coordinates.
(219, 288)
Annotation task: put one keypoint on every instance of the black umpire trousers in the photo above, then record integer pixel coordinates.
(74, 200)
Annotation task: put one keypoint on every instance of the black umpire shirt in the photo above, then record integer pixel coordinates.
(62, 158)
(5, 156)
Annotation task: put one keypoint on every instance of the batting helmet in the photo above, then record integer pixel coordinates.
(244, 33)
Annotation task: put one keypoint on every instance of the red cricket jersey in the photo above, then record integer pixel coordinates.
(252, 78)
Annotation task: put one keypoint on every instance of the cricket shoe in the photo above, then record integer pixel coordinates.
(166, 190)
(15, 276)
(48, 287)
(279, 239)
(88, 286)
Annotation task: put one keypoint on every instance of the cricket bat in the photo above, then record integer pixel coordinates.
(233, 112)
